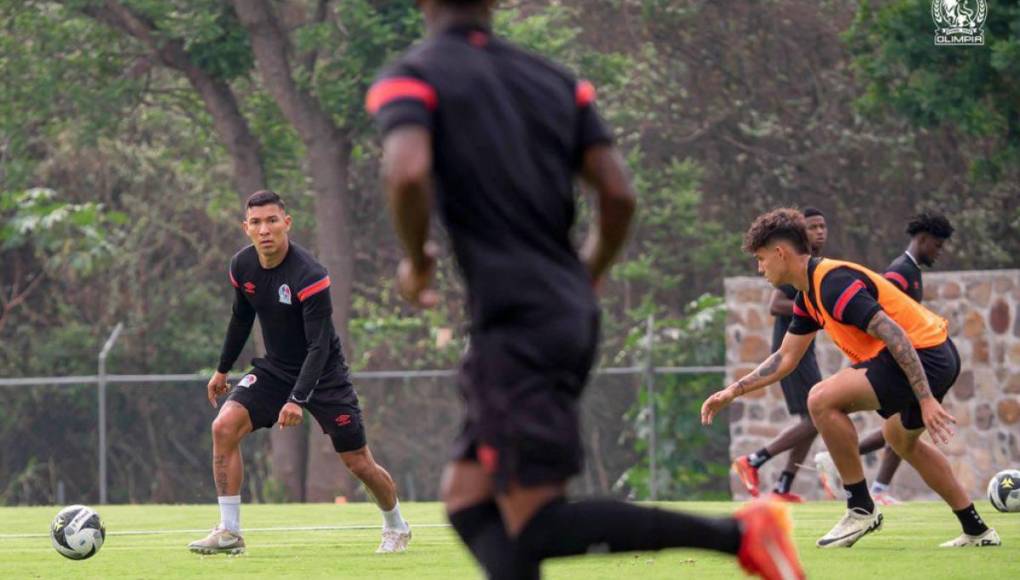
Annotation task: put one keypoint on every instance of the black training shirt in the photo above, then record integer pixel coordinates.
(294, 308)
(906, 275)
(509, 130)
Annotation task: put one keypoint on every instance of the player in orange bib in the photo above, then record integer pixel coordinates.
(903, 365)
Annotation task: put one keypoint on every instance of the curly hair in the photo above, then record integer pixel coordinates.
(931, 222)
(779, 224)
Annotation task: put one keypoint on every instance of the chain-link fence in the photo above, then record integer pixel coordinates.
(145, 438)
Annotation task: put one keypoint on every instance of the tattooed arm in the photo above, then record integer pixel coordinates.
(776, 366)
(896, 340)
(936, 419)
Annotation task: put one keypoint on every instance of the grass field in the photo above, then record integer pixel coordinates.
(906, 548)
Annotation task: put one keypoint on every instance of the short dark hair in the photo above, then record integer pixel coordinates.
(264, 197)
(779, 224)
(931, 222)
(810, 211)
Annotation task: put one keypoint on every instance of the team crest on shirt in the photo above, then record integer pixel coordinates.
(247, 381)
(285, 296)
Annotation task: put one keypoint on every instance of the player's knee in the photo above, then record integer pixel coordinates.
(818, 402)
(359, 463)
(901, 442)
(226, 429)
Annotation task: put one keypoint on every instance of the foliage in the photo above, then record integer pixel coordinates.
(692, 460)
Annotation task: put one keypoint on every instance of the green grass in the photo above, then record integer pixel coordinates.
(906, 548)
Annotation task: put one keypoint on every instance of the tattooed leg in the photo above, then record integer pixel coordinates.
(228, 429)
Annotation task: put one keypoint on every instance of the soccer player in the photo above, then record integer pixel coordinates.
(798, 438)
(494, 137)
(928, 233)
(304, 368)
(903, 365)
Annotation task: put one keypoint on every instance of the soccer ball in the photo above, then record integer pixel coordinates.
(1004, 491)
(77, 532)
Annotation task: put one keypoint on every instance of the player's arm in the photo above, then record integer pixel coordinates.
(242, 318)
(604, 171)
(779, 304)
(937, 420)
(774, 368)
(403, 104)
(316, 314)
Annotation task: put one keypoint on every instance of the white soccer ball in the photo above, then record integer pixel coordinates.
(77, 532)
(1004, 491)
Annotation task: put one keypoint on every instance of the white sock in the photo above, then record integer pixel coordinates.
(230, 512)
(877, 487)
(392, 520)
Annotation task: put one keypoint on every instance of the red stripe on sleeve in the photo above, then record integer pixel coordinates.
(799, 312)
(388, 90)
(845, 297)
(898, 278)
(314, 289)
(585, 94)
(233, 282)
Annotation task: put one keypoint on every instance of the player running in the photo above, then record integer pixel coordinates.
(903, 364)
(494, 137)
(928, 232)
(798, 438)
(304, 368)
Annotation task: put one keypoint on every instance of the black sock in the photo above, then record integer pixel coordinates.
(567, 529)
(857, 496)
(758, 458)
(972, 523)
(785, 482)
(482, 531)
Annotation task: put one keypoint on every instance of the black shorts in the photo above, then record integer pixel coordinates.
(522, 387)
(797, 384)
(336, 409)
(941, 364)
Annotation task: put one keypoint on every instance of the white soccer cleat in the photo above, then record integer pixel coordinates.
(394, 541)
(854, 525)
(989, 538)
(219, 541)
(828, 475)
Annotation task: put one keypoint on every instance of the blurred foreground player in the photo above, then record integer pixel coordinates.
(903, 365)
(494, 136)
(304, 368)
(928, 233)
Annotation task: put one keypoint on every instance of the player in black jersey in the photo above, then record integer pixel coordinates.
(796, 386)
(495, 136)
(304, 368)
(928, 233)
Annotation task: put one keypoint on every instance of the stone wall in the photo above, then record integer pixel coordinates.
(983, 310)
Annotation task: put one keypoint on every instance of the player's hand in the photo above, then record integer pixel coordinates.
(717, 402)
(937, 420)
(290, 415)
(217, 387)
(413, 282)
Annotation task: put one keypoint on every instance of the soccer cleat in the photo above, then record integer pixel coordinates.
(884, 498)
(788, 497)
(989, 538)
(853, 526)
(748, 475)
(828, 475)
(766, 548)
(394, 541)
(219, 541)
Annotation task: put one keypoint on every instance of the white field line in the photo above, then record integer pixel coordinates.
(246, 530)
